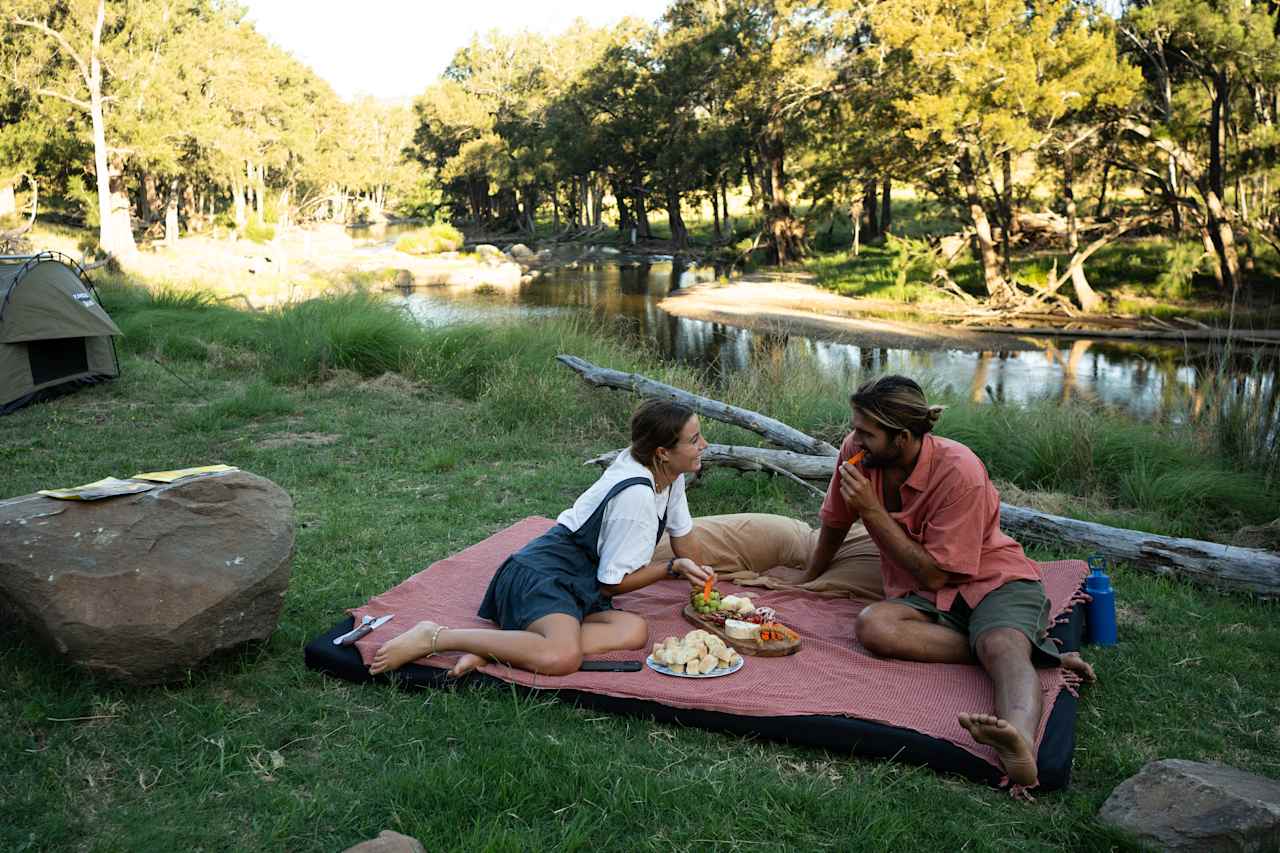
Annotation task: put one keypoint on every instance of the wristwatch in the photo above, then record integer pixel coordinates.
(671, 568)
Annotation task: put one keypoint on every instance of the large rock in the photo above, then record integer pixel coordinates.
(519, 251)
(141, 588)
(388, 841)
(1187, 805)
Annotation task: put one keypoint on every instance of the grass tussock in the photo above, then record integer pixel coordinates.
(437, 238)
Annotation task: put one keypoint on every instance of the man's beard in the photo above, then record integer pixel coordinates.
(882, 460)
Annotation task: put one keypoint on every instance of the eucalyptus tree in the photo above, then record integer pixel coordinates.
(1213, 70)
(990, 80)
(99, 59)
(774, 65)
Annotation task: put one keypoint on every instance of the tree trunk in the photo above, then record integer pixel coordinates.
(728, 223)
(1101, 208)
(238, 201)
(1005, 201)
(1223, 238)
(749, 167)
(870, 209)
(1174, 207)
(642, 215)
(114, 229)
(679, 233)
(715, 215)
(1069, 194)
(998, 289)
(1211, 248)
(785, 233)
(171, 214)
(149, 205)
(625, 220)
(855, 221)
(260, 193)
(193, 206)
(597, 200)
(284, 208)
(122, 220)
(8, 201)
(886, 204)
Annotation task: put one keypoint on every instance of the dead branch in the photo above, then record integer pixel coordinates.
(775, 431)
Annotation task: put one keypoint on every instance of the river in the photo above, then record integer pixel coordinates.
(1147, 380)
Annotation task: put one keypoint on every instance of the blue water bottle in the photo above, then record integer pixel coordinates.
(1100, 614)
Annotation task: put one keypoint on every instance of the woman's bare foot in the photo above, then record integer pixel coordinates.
(1014, 750)
(409, 646)
(465, 664)
(1072, 662)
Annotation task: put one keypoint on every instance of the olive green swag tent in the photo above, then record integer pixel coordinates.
(54, 334)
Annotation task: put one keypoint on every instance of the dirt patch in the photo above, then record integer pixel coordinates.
(769, 304)
(1264, 536)
(298, 439)
(393, 383)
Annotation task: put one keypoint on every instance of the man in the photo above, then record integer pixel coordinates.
(956, 588)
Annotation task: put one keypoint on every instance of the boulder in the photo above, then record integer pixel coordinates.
(485, 251)
(140, 588)
(388, 841)
(1188, 805)
(520, 250)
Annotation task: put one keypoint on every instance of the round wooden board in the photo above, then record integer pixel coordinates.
(770, 649)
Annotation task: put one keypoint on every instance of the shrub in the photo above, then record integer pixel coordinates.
(429, 241)
(259, 232)
(1181, 264)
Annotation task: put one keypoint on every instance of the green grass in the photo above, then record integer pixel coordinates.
(479, 429)
(434, 239)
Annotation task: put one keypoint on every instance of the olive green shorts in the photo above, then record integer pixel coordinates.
(1021, 605)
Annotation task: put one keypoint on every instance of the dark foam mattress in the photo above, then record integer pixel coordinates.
(837, 733)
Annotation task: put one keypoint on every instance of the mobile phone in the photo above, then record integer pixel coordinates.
(610, 666)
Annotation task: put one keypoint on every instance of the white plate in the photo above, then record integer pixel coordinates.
(715, 673)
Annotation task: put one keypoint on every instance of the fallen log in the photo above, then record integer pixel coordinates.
(1210, 563)
(1222, 567)
(1268, 336)
(775, 431)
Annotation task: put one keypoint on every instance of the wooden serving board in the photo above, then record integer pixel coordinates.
(769, 649)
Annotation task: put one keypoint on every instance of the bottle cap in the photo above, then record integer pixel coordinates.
(1097, 581)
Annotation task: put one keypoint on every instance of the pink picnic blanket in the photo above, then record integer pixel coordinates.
(831, 674)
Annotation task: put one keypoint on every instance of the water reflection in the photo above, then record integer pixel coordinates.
(1179, 382)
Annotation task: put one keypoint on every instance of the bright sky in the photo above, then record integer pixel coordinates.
(396, 48)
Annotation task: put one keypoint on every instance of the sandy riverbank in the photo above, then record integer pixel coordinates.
(772, 305)
(310, 260)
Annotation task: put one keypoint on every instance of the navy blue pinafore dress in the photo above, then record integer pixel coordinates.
(555, 573)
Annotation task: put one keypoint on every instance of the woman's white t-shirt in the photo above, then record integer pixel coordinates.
(629, 529)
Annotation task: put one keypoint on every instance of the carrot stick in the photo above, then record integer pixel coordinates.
(856, 458)
(706, 589)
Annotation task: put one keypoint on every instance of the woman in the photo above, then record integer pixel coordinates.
(552, 599)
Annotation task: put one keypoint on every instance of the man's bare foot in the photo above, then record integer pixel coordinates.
(409, 646)
(1015, 752)
(465, 664)
(1072, 662)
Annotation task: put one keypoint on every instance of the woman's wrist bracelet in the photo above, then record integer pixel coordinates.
(671, 568)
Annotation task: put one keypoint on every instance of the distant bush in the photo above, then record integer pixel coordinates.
(429, 241)
(259, 232)
(1181, 264)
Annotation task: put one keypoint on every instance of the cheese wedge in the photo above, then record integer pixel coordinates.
(741, 630)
